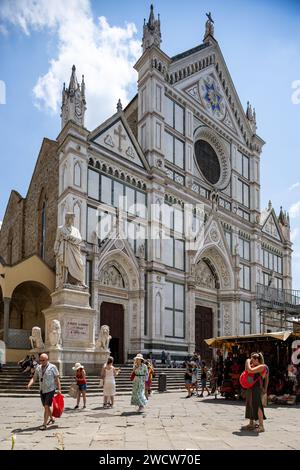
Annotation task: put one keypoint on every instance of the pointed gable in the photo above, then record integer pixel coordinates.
(116, 136)
(271, 226)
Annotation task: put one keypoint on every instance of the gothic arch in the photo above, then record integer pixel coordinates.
(77, 174)
(126, 267)
(219, 265)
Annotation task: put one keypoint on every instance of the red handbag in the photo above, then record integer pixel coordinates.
(132, 375)
(247, 379)
(58, 405)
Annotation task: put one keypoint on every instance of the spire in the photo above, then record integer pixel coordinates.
(269, 205)
(151, 30)
(119, 106)
(251, 116)
(73, 101)
(209, 28)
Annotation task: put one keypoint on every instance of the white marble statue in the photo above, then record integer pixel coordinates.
(35, 339)
(69, 260)
(104, 338)
(55, 333)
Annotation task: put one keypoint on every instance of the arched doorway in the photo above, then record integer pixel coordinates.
(208, 282)
(28, 301)
(112, 314)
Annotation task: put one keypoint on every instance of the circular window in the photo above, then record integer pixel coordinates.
(208, 161)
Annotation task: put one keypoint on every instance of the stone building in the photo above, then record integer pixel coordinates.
(184, 141)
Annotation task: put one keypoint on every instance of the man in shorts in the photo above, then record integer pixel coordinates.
(48, 376)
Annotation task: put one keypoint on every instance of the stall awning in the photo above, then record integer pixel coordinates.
(219, 341)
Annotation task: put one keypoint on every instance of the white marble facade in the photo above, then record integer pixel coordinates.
(148, 153)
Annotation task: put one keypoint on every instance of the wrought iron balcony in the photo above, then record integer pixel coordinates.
(285, 300)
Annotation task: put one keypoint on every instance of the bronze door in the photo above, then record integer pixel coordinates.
(203, 330)
(113, 316)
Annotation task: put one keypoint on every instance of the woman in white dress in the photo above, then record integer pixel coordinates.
(108, 374)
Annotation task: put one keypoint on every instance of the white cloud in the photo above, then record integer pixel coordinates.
(295, 185)
(105, 54)
(294, 233)
(294, 210)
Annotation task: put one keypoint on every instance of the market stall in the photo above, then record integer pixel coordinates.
(280, 350)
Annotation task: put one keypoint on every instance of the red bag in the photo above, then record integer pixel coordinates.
(132, 375)
(247, 379)
(58, 405)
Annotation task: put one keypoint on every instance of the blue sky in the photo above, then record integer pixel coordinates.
(260, 41)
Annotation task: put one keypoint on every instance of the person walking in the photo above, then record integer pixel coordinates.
(163, 357)
(108, 374)
(80, 378)
(140, 372)
(204, 379)
(254, 396)
(188, 379)
(148, 382)
(48, 377)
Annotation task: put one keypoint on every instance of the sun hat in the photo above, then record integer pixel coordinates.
(139, 356)
(78, 366)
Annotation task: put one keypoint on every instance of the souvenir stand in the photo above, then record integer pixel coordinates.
(281, 352)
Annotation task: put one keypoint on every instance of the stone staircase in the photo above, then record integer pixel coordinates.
(13, 382)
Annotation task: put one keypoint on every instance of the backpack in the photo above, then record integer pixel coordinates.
(247, 379)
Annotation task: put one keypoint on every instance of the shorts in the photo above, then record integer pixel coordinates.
(82, 387)
(188, 382)
(203, 382)
(47, 398)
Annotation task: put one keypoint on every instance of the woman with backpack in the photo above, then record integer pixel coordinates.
(255, 394)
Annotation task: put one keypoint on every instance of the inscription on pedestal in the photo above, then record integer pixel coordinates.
(76, 330)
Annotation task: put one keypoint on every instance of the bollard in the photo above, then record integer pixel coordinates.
(162, 382)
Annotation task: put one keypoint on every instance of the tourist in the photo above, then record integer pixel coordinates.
(48, 377)
(81, 382)
(138, 385)
(254, 395)
(148, 383)
(169, 360)
(194, 385)
(204, 379)
(163, 357)
(108, 374)
(188, 379)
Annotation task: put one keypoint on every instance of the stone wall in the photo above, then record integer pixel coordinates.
(11, 230)
(22, 221)
(43, 187)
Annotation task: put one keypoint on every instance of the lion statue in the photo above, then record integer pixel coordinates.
(36, 338)
(104, 338)
(55, 333)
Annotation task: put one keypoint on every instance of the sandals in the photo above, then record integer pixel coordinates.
(260, 429)
(51, 421)
(43, 427)
(248, 427)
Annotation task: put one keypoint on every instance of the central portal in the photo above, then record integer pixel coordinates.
(203, 330)
(113, 315)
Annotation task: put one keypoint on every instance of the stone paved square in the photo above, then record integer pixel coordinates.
(170, 422)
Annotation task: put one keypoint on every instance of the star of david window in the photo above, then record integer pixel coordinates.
(208, 161)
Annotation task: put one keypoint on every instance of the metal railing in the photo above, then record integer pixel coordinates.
(278, 299)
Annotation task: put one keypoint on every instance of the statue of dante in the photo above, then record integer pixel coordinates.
(69, 261)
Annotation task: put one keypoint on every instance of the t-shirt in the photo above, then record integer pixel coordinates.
(46, 377)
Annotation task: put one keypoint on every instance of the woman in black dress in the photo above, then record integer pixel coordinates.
(254, 402)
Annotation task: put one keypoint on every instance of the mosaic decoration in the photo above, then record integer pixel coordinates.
(212, 96)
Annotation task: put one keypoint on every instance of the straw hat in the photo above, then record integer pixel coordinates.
(139, 356)
(78, 366)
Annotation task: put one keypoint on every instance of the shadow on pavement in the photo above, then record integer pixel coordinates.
(131, 413)
(245, 433)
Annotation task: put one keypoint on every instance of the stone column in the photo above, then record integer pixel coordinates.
(6, 301)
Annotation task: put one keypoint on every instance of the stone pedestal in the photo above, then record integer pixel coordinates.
(70, 305)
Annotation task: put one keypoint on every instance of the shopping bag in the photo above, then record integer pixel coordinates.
(247, 379)
(132, 375)
(73, 390)
(58, 405)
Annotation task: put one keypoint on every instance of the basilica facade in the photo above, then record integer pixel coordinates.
(182, 158)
